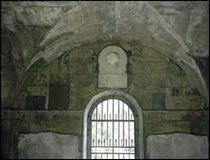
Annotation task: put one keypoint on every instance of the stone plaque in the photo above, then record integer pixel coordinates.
(158, 101)
(113, 81)
(35, 102)
(48, 146)
(58, 96)
(177, 146)
(112, 68)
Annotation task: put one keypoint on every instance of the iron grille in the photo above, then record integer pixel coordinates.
(113, 131)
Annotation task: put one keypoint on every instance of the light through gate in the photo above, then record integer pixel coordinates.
(113, 131)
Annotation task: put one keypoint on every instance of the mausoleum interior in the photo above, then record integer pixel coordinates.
(104, 79)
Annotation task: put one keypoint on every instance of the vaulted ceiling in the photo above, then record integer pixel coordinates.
(45, 30)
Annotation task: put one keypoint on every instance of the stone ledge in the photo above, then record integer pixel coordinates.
(151, 128)
(24, 115)
(154, 116)
(184, 103)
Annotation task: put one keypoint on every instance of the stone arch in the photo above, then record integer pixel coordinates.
(132, 103)
(70, 33)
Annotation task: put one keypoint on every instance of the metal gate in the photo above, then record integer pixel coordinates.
(112, 131)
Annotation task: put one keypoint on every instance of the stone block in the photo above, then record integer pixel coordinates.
(35, 103)
(64, 121)
(76, 68)
(192, 92)
(7, 93)
(38, 90)
(41, 78)
(79, 101)
(82, 91)
(184, 103)
(200, 127)
(180, 91)
(145, 57)
(177, 146)
(173, 69)
(167, 116)
(177, 81)
(63, 78)
(163, 127)
(59, 96)
(176, 91)
(83, 80)
(158, 101)
(143, 97)
(112, 81)
(48, 146)
(148, 81)
(148, 68)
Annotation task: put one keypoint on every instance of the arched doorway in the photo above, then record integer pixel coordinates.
(113, 127)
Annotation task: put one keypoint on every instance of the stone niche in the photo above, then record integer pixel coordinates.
(112, 62)
(177, 146)
(48, 145)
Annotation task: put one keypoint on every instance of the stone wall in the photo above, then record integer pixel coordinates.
(8, 75)
(169, 103)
